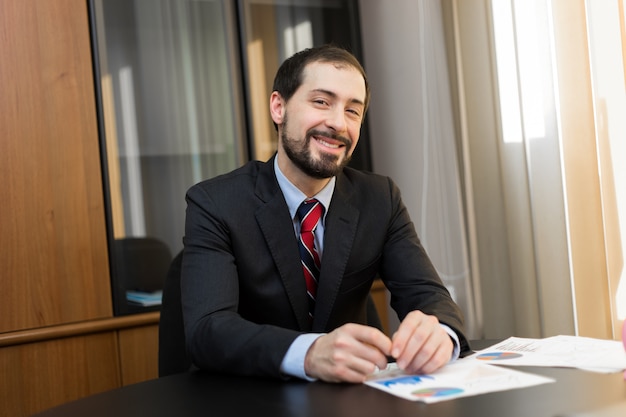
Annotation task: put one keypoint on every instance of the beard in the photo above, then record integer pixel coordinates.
(299, 152)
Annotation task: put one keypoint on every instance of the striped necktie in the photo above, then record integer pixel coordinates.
(309, 213)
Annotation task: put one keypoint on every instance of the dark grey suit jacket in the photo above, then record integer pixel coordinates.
(243, 291)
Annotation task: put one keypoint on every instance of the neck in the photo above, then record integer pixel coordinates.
(308, 185)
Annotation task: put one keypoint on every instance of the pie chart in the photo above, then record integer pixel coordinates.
(498, 356)
(436, 392)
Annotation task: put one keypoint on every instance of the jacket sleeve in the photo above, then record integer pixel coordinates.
(218, 338)
(410, 276)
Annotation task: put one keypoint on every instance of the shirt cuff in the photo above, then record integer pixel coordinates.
(293, 362)
(455, 339)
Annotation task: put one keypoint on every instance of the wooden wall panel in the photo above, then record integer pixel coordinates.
(139, 348)
(38, 376)
(53, 253)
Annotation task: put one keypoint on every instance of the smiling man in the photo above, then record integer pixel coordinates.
(329, 106)
(280, 255)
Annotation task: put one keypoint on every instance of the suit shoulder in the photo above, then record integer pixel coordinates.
(367, 179)
(239, 177)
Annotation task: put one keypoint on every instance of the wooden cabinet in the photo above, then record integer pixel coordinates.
(42, 368)
(139, 353)
(53, 245)
(59, 340)
(36, 376)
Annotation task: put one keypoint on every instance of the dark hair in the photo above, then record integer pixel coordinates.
(289, 75)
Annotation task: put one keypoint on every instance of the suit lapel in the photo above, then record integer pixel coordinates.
(339, 232)
(277, 227)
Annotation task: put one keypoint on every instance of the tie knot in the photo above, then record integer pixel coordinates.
(309, 214)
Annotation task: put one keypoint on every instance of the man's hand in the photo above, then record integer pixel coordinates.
(348, 354)
(421, 345)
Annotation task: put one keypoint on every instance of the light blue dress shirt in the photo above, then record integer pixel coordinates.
(293, 362)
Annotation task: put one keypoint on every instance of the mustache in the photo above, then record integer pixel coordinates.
(314, 132)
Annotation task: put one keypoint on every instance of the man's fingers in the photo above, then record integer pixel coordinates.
(411, 334)
(349, 353)
(371, 346)
(421, 345)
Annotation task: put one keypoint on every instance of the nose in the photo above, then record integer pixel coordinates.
(336, 120)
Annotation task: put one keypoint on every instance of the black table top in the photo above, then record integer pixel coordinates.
(204, 394)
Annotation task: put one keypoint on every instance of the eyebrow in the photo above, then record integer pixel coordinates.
(334, 95)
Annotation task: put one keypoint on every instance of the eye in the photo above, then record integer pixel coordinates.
(356, 113)
(320, 101)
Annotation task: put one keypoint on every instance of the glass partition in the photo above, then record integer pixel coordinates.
(171, 116)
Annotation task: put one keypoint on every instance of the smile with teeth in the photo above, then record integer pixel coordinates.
(328, 144)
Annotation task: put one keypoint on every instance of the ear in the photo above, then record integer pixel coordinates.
(277, 107)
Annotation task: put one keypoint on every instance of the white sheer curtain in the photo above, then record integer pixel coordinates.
(172, 107)
(413, 133)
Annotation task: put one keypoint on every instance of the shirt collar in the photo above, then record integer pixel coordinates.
(294, 197)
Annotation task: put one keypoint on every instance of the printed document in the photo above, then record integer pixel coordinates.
(476, 374)
(462, 378)
(598, 355)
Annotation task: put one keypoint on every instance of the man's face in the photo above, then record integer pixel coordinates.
(321, 122)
